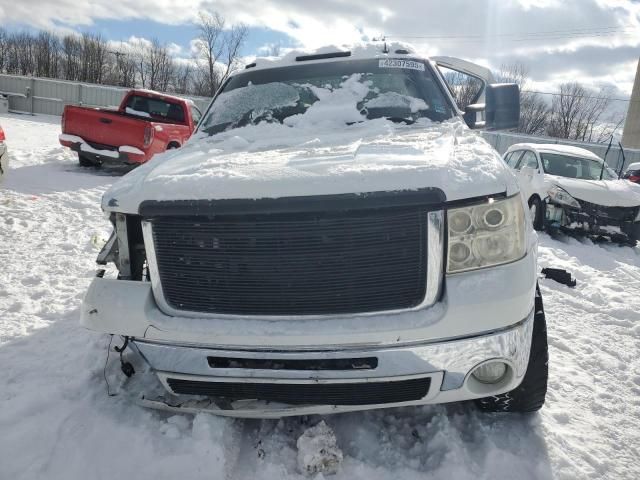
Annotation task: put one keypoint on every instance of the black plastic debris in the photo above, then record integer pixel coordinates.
(560, 276)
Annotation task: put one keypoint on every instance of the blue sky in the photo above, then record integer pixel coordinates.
(600, 45)
(181, 34)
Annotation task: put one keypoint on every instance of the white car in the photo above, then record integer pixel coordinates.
(319, 246)
(571, 188)
(4, 157)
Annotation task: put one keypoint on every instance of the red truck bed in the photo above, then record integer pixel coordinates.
(146, 123)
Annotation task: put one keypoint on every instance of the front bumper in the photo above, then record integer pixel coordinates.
(447, 365)
(483, 315)
(593, 219)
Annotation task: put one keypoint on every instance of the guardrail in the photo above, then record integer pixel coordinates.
(49, 96)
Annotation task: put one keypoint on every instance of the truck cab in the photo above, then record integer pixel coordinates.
(333, 238)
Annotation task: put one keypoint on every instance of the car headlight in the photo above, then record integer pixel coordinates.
(485, 235)
(561, 196)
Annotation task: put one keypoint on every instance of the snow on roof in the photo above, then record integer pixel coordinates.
(634, 166)
(557, 148)
(358, 51)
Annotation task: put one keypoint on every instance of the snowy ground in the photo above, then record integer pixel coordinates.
(56, 421)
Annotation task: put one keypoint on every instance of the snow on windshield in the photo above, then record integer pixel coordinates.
(337, 106)
(394, 99)
(330, 101)
(257, 101)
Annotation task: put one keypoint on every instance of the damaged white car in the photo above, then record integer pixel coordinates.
(573, 189)
(333, 238)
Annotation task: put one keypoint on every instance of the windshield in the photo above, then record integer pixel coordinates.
(575, 167)
(347, 92)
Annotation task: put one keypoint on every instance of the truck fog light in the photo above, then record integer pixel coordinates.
(491, 372)
(459, 252)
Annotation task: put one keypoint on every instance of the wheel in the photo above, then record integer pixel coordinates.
(530, 395)
(537, 213)
(85, 162)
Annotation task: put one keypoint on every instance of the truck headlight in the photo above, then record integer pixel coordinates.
(486, 235)
(562, 197)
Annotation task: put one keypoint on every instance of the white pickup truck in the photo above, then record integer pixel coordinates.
(333, 238)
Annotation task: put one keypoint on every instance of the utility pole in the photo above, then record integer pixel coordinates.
(631, 134)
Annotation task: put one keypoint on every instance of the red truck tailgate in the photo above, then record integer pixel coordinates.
(104, 127)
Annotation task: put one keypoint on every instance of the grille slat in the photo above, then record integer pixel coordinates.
(308, 394)
(294, 263)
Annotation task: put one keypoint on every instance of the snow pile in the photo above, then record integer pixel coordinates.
(318, 451)
(358, 51)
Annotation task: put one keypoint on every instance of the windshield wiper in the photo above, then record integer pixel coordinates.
(604, 161)
(408, 121)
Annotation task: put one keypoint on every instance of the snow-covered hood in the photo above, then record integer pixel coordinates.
(610, 193)
(278, 161)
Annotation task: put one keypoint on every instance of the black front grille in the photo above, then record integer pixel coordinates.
(308, 394)
(609, 215)
(294, 263)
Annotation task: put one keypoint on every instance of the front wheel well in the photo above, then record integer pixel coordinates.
(534, 196)
(173, 144)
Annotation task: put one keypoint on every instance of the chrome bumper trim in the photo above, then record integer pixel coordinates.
(455, 357)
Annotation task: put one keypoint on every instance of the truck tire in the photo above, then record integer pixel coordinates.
(84, 161)
(530, 395)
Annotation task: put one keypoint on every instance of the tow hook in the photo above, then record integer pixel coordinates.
(126, 367)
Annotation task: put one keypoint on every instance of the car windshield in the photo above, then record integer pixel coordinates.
(348, 92)
(575, 167)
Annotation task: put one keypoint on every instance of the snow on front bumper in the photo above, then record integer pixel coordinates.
(123, 154)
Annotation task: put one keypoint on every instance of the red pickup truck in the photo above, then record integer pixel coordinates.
(146, 123)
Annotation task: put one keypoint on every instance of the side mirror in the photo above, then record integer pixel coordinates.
(502, 106)
(471, 115)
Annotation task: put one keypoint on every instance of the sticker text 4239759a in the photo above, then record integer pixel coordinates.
(401, 63)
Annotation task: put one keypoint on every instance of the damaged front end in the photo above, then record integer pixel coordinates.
(565, 213)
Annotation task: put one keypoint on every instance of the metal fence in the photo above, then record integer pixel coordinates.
(47, 96)
(501, 141)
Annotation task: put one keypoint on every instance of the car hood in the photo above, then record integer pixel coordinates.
(609, 193)
(269, 161)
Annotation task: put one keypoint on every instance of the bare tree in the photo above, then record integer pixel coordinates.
(275, 49)
(218, 50)
(89, 58)
(576, 112)
(182, 77)
(534, 110)
(465, 88)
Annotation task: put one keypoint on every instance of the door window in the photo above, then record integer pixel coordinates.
(195, 114)
(528, 160)
(513, 158)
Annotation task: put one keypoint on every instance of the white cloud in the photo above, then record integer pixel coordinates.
(493, 30)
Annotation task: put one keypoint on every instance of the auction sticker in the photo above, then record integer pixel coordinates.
(401, 63)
